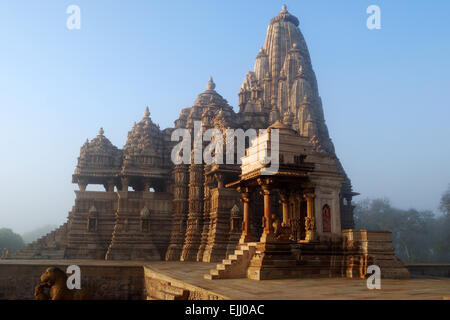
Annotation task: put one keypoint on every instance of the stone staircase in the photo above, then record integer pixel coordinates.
(164, 290)
(50, 246)
(236, 264)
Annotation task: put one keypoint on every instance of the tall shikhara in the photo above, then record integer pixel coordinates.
(283, 86)
(153, 209)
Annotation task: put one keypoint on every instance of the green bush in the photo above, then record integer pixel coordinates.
(10, 240)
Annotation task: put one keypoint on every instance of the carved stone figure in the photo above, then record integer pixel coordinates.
(310, 223)
(276, 223)
(56, 281)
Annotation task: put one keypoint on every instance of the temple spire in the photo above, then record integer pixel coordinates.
(101, 131)
(210, 85)
(146, 112)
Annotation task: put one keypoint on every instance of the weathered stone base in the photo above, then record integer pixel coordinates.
(363, 248)
(216, 252)
(273, 261)
(349, 257)
(189, 252)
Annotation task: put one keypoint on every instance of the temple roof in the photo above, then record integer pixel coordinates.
(99, 146)
(284, 129)
(98, 154)
(143, 137)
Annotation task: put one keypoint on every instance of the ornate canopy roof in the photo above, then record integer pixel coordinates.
(144, 152)
(144, 138)
(97, 154)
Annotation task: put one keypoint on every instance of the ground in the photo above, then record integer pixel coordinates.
(299, 289)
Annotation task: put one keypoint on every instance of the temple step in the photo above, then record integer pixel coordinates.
(46, 247)
(235, 265)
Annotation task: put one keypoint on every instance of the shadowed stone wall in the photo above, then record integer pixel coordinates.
(105, 281)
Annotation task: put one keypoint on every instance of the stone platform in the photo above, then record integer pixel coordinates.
(185, 280)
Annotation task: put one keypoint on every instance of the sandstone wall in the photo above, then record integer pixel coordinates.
(119, 281)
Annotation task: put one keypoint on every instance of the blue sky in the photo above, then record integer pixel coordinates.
(385, 92)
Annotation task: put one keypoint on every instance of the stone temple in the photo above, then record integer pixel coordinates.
(297, 222)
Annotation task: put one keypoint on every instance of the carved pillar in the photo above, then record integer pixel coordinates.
(247, 235)
(109, 185)
(180, 205)
(284, 196)
(310, 221)
(268, 234)
(194, 221)
(208, 181)
(124, 181)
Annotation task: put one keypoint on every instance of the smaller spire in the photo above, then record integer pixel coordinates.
(101, 131)
(261, 53)
(210, 85)
(146, 112)
(283, 8)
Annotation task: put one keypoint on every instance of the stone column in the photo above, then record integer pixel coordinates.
(180, 211)
(268, 234)
(82, 185)
(247, 235)
(124, 184)
(109, 186)
(310, 221)
(285, 204)
(208, 181)
(194, 225)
